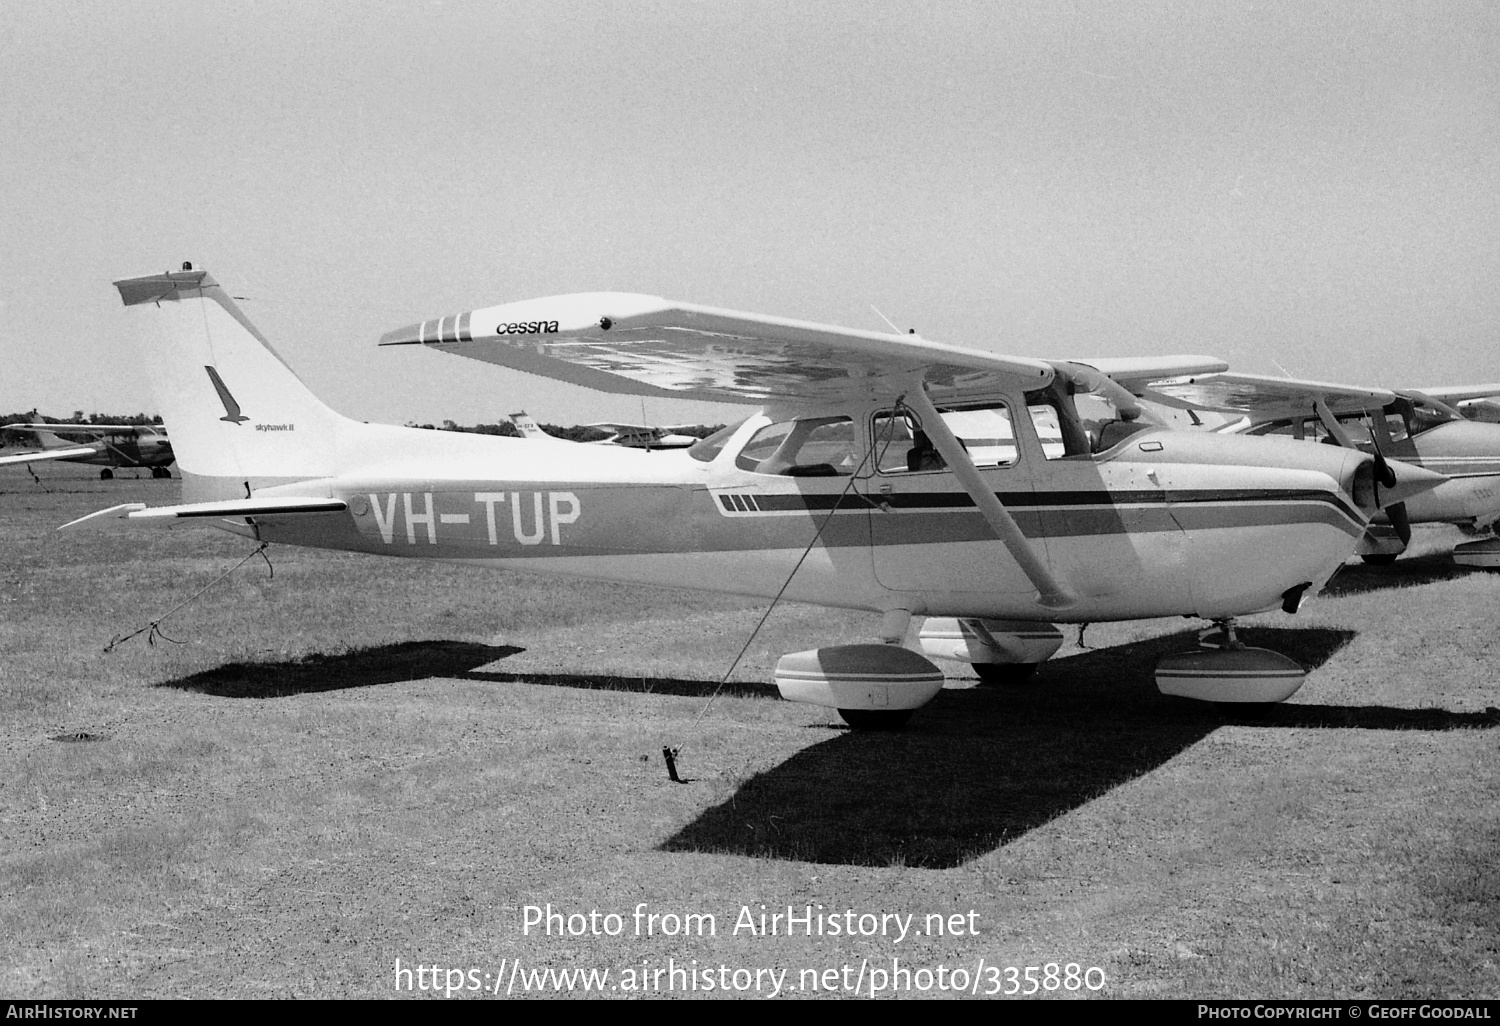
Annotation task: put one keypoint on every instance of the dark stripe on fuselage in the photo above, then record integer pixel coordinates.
(1097, 498)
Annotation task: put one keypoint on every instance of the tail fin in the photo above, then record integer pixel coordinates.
(235, 410)
(526, 426)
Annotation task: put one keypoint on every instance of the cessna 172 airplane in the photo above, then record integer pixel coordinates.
(106, 445)
(1416, 426)
(995, 495)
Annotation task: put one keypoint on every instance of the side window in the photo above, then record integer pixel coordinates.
(1357, 428)
(985, 432)
(815, 447)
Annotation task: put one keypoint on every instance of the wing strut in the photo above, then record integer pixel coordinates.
(1332, 424)
(1053, 592)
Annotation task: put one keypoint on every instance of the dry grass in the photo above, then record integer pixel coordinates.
(362, 760)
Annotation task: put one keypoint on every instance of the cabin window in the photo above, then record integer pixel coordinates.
(811, 447)
(985, 431)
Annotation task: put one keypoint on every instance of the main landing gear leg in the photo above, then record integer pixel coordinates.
(1226, 671)
(1221, 635)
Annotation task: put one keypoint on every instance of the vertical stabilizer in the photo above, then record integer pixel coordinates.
(528, 427)
(234, 408)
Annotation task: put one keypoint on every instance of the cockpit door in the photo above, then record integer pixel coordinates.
(1107, 519)
(926, 534)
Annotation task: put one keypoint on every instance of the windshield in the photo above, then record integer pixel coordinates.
(1424, 414)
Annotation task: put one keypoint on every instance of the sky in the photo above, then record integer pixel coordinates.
(1303, 188)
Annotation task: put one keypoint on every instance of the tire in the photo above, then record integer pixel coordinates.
(876, 719)
(1005, 673)
(106, 474)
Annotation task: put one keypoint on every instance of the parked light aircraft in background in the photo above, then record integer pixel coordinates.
(645, 436)
(104, 445)
(1475, 402)
(1416, 426)
(633, 436)
(995, 495)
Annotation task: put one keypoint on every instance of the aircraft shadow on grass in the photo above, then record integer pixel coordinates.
(980, 768)
(1357, 579)
(416, 660)
(383, 664)
(975, 770)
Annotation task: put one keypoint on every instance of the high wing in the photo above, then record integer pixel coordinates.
(1261, 398)
(258, 507)
(72, 452)
(1135, 372)
(1459, 393)
(644, 345)
(641, 429)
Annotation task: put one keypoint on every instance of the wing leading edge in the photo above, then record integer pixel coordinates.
(644, 345)
(1263, 399)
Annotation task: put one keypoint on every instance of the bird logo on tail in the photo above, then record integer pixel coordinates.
(231, 408)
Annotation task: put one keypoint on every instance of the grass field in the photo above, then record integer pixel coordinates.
(358, 761)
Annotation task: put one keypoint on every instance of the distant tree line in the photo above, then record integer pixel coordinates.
(78, 418)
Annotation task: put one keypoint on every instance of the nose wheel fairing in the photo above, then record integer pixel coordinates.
(1225, 671)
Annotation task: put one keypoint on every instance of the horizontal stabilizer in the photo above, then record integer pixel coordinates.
(49, 454)
(277, 505)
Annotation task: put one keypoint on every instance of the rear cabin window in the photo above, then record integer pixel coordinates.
(985, 432)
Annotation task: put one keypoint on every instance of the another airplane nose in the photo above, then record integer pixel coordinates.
(1410, 480)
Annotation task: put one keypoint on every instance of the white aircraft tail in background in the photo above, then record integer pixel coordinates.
(530, 428)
